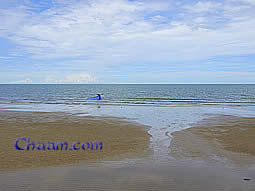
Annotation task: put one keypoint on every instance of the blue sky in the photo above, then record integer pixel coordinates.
(121, 41)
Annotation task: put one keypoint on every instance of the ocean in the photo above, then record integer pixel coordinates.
(128, 94)
(165, 108)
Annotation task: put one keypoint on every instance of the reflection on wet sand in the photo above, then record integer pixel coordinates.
(141, 176)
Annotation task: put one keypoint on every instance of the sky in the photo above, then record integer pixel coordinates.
(127, 41)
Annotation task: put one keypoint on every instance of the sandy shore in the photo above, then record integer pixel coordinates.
(120, 139)
(221, 137)
(71, 170)
(185, 176)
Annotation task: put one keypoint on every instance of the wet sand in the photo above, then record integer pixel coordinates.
(219, 138)
(141, 176)
(120, 139)
(123, 141)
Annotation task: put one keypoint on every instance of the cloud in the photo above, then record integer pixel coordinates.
(252, 2)
(98, 34)
(109, 29)
(26, 81)
(80, 78)
(203, 6)
(72, 78)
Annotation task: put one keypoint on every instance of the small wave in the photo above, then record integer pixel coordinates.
(157, 98)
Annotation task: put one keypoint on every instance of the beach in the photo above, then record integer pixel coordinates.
(183, 142)
(126, 160)
(119, 139)
(223, 138)
(144, 176)
(127, 95)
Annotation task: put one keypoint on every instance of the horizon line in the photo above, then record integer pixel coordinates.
(127, 83)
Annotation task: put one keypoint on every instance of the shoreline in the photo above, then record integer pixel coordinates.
(121, 139)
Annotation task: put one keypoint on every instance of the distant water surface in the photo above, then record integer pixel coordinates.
(129, 94)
